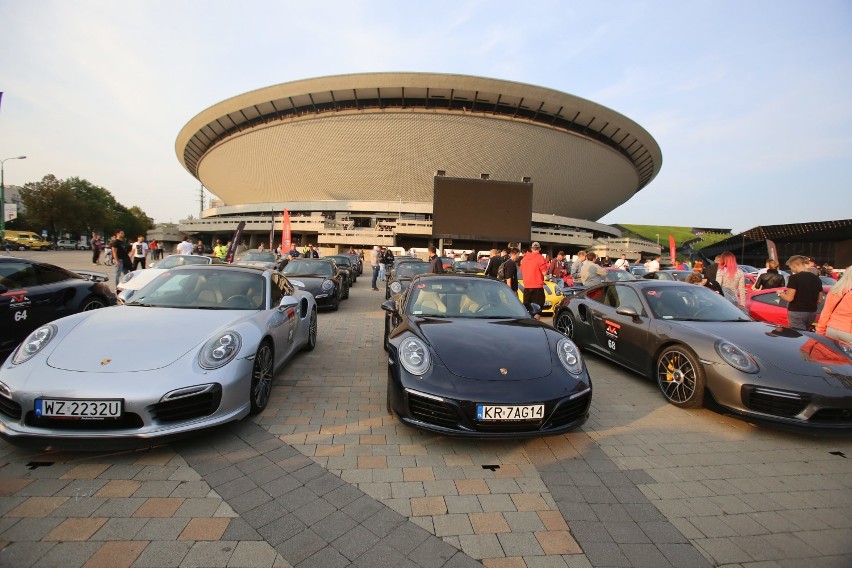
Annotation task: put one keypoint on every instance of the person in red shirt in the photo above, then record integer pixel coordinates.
(533, 269)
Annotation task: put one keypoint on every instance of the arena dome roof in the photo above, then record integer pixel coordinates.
(382, 136)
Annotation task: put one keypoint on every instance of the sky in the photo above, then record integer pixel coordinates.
(749, 101)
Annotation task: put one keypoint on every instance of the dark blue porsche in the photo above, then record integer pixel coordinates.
(465, 358)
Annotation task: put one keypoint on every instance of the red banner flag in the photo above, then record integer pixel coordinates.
(672, 249)
(285, 233)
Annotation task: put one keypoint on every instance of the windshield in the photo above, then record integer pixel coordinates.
(467, 266)
(309, 268)
(411, 269)
(180, 260)
(463, 297)
(619, 275)
(221, 289)
(689, 302)
(255, 257)
(343, 261)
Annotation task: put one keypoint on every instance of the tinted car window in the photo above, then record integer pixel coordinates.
(628, 298)
(278, 290)
(17, 274)
(49, 274)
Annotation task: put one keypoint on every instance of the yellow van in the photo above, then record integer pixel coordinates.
(25, 240)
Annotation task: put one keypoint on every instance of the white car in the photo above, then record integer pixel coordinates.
(214, 337)
(66, 244)
(136, 280)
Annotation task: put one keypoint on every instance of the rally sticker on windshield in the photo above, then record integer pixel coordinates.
(612, 334)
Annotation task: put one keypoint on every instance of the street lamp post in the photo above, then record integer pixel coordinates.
(3, 195)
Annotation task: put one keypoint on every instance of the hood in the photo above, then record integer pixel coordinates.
(127, 339)
(472, 350)
(308, 282)
(781, 348)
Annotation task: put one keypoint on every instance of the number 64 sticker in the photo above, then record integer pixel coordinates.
(20, 315)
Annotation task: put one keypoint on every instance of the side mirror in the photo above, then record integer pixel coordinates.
(627, 311)
(389, 306)
(287, 302)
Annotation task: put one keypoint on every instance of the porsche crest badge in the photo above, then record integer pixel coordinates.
(105, 362)
(504, 371)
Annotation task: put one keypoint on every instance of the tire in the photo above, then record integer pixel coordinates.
(336, 305)
(680, 376)
(385, 343)
(312, 332)
(92, 303)
(565, 324)
(388, 397)
(346, 291)
(261, 377)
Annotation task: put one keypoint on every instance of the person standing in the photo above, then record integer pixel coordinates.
(732, 279)
(118, 247)
(577, 265)
(154, 247)
(591, 274)
(771, 278)
(311, 252)
(375, 263)
(556, 269)
(654, 264)
(622, 263)
(139, 251)
(184, 247)
(533, 269)
(494, 262)
(220, 250)
(436, 266)
(509, 268)
(97, 244)
(387, 262)
(802, 293)
(835, 320)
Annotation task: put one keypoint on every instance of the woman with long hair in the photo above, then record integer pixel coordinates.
(835, 321)
(731, 279)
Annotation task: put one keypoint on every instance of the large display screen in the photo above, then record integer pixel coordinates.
(480, 209)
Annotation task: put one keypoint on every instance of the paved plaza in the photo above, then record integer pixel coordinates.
(324, 477)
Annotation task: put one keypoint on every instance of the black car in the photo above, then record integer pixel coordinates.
(35, 293)
(465, 358)
(390, 275)
(467, 267)
(402, 276)
(696, 345)
(320, 277)
(344, 263)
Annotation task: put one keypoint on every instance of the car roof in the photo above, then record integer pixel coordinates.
(240, 268)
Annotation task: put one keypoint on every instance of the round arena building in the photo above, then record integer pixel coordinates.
(353, 157)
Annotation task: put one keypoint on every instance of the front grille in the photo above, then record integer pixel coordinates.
(832, 416)
(188, 407)
(570, 411)
(10, 408)
(773, 401)
(432, 411)
(128, 421)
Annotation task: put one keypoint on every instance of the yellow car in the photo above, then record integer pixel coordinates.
(552, 296)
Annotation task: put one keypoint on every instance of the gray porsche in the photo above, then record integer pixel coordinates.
(695, 344)
(197, 347)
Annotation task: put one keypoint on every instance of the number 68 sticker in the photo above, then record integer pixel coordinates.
(612, 334)
(20, 315)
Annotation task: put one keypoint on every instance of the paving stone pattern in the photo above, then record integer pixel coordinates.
(323, 477)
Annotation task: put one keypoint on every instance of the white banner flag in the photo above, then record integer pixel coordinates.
(10, 211)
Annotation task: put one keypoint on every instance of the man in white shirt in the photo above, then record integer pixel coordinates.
(654, 264)
(139, 251)
(184, 247)
(622, 263)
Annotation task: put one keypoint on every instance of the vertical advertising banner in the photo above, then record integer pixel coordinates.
(772, 249)
(672, 249)
(285, 232)
(229, 258)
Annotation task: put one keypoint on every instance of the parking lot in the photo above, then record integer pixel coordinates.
(324, 477)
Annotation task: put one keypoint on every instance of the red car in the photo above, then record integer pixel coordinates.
(765, 305)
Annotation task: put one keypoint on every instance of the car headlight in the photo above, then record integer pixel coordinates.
(220, 350)
(845, 348)
(128, 277)
(396, 287)
(327, 285)
(569, 356)
(35, 342)
(414, 356)
(736, 357)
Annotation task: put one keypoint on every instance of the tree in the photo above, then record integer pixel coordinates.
(79, 207)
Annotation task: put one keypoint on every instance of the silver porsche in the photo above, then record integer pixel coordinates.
(197, 347)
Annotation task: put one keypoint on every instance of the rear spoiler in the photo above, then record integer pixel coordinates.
(93, 276)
